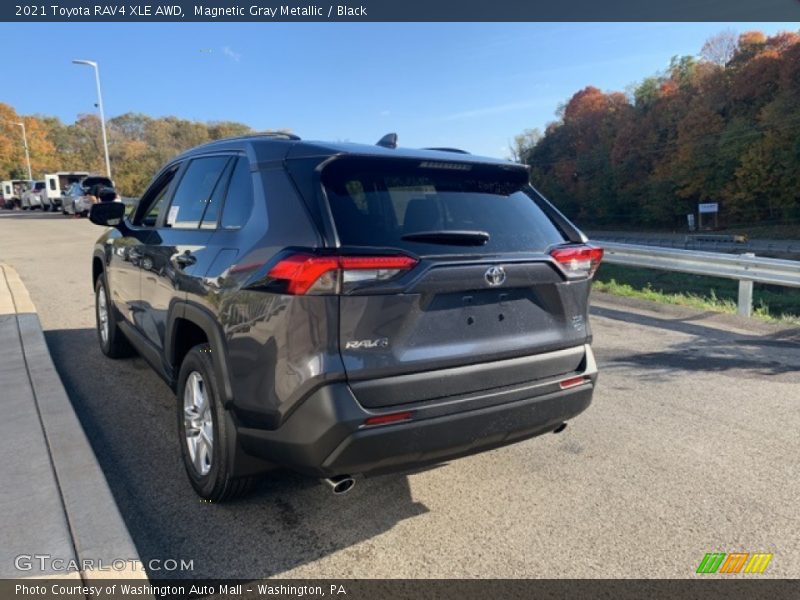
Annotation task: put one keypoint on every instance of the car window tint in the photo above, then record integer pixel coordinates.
(211, 216)
(154, 199)
(194, 192)
(239, 200)
(384, 203)
(151, 218)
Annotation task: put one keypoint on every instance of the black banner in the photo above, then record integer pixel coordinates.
(402, 10)
(716, 588)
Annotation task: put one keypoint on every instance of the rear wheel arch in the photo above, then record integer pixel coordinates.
(97, 269)
(186, 335)
(190, 325)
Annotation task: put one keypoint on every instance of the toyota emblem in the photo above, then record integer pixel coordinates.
(495, 276)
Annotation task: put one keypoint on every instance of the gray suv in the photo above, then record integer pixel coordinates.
(343, 309)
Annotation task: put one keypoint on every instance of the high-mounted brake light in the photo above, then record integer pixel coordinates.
(311, 274)
(582, 259)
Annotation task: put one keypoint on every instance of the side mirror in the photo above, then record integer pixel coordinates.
(109, 214)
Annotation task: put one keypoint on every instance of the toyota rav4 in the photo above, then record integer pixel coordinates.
(344, 309)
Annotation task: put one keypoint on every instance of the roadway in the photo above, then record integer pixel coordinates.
(690, 447)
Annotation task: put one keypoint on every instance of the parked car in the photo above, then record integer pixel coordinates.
(343, 309)
(58, 183)
(77, 201)
(34, 197)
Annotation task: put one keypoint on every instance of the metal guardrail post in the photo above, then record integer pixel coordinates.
(745, 302)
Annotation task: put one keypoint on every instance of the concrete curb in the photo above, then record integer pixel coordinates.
(101, 541)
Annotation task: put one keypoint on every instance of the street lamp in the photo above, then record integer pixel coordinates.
(24, 143)
(93, 64)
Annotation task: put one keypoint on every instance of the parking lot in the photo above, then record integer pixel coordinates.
(690, 447)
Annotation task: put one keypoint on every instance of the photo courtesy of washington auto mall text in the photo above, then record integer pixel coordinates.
(177, 589)
(399, 299)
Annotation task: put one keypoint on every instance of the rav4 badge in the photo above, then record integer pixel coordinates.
(367, 344)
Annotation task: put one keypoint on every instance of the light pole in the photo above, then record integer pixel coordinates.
(25, 145)
(93, 64)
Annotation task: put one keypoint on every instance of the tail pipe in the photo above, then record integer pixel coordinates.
(341, 484)
(560, 428)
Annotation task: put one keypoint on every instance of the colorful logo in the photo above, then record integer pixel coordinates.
(737, 562)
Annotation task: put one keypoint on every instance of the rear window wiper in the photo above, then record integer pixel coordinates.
(449, 236)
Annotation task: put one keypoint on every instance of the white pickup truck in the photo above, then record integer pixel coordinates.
(13, 190)
(57, 185)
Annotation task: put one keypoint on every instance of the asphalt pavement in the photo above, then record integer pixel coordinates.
(691, 446)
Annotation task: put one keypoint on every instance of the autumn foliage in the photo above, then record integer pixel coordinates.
(138, 145)
(722, 127)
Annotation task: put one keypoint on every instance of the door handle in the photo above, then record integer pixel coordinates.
(186, 259)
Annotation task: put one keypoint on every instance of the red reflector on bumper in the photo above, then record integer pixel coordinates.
(391, 418)
(572, 382)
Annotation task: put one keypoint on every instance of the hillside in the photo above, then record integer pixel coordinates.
(723, 126)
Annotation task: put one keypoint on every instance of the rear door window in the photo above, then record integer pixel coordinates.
(379, 202)
(239, 200)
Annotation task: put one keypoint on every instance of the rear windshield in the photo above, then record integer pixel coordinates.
(90, 181)
(378, 202)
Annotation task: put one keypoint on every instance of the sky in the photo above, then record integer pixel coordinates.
(468, 85)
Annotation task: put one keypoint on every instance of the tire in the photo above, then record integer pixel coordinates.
(210, 473)
(112, 341)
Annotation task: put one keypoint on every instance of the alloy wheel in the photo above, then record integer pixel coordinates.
(198, 423)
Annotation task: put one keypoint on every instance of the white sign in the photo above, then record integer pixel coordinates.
(708, 207)
(172, 215)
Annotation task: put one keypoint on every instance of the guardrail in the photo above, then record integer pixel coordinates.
(708, 243)
(746, 268)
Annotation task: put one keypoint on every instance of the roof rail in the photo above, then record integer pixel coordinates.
(456, 150)
(278, 134)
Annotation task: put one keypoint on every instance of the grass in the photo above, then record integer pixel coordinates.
(770, 303)
(789, 231)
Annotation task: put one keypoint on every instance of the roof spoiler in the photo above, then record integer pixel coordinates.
(456, 150)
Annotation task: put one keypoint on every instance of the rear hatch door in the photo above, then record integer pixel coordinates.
(485, 293)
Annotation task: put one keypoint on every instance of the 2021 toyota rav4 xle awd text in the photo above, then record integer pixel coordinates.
(343, 309)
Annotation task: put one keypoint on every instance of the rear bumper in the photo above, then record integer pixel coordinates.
(325, 435)
(82, 205)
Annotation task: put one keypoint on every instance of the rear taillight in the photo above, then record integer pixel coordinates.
(310, 274)
(578, 260)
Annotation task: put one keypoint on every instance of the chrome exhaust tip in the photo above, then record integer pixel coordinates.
(341, 484)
